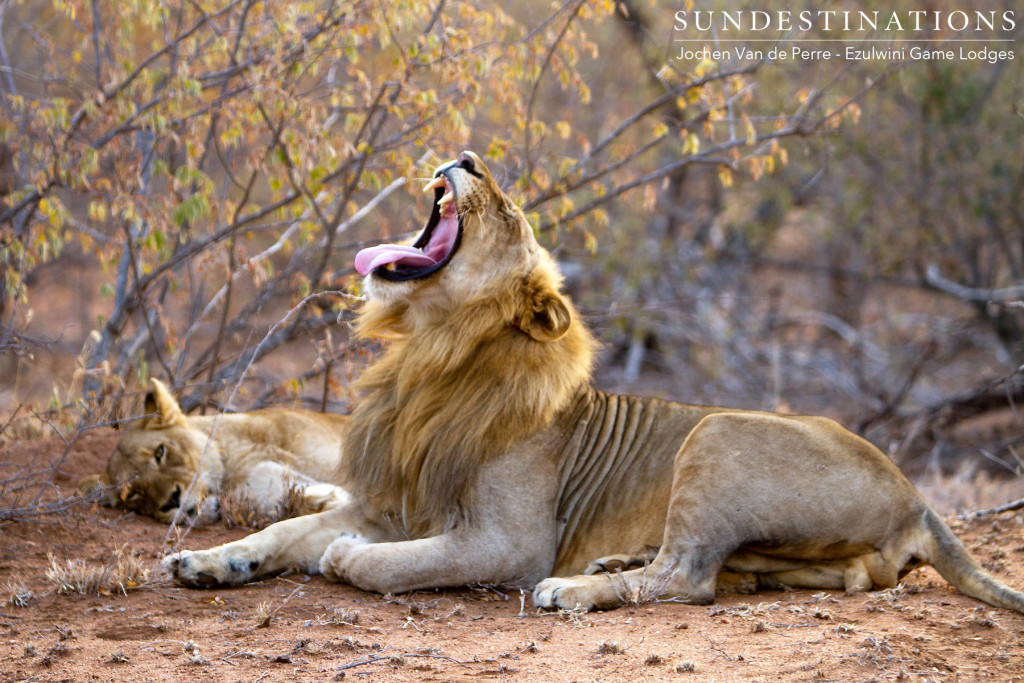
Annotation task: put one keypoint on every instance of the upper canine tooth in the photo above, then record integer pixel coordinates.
(448, 196)
(435, 183)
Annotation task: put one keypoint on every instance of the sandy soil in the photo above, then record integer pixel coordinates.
(300, 628)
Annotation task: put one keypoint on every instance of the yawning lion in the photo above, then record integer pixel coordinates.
(479, 453)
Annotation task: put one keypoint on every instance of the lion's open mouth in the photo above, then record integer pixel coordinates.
(431, 251)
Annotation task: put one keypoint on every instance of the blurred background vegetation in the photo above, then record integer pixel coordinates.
(185, 184)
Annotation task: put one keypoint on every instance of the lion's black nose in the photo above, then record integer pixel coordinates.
(466, 163)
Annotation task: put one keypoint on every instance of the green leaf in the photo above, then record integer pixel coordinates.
(192, 209)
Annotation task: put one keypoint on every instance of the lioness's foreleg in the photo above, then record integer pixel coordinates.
(296, 543)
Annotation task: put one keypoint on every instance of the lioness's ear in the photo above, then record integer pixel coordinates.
(160, 401)
(547, 317)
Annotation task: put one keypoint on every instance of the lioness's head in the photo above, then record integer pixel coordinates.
(152, 468)
(475, 244)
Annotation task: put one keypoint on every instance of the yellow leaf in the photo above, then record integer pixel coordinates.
(692, 144)
(725, 176)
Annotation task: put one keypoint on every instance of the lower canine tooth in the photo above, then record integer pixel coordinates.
(443, 201)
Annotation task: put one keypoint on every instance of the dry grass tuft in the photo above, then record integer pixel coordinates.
(609, 647)
(122, 573)
(338, 616)
(18, 595)
(59, 649)
(192, 653)
(263, 615)
(577, 617)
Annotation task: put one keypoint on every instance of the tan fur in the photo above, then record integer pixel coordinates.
(429, 419)
(173, 467)
(479, 454)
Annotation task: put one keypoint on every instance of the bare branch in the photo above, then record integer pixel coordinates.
(974, 294)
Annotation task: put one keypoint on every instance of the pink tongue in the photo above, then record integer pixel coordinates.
(374, 257)
(441, 243)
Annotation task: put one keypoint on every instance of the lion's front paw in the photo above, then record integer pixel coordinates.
(569, 594)
(338, 555)
(209, 569)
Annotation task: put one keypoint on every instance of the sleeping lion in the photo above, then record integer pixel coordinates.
(257, 455)
(479, 453)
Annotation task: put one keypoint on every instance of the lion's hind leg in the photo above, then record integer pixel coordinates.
(689, 577)
(854, 574)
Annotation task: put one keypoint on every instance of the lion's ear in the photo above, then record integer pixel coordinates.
(547, 318)
(160, 401)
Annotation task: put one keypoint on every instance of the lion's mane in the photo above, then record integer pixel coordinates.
(452, 393)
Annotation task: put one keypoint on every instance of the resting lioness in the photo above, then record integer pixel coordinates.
(257, 455)
(478, 453)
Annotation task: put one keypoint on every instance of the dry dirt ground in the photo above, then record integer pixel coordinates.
(301, 628)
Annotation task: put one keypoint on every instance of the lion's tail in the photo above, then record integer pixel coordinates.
(950, 558)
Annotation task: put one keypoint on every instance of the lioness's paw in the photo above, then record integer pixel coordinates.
(207, 569)
(208, 511)
(320, 497)
(339, 554)
(555, 593)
